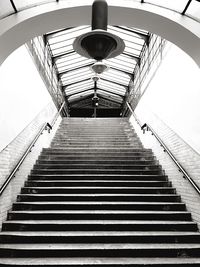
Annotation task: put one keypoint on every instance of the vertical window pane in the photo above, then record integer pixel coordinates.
(194, 10)
(177, 5)
(23, 4)
(6, 9)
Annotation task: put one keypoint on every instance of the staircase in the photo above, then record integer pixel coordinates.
(96, 197)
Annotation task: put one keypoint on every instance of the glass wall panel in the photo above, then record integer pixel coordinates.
(194, 10)
(177, 5)
(6, 9)
(23, 4)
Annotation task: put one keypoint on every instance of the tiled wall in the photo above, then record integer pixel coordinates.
(12, 153)
(185, 155)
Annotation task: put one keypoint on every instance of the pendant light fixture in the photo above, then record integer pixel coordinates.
(99, 44)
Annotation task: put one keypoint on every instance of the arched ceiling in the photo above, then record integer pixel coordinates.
(73, 70)
(189, 8)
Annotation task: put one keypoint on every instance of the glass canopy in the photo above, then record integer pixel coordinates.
(75, 73)
(189, 8)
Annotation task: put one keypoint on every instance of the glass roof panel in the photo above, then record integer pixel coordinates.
(126, 58)
(77, 74)
(130, 50)
(75, 79)
(114, 80)
(112, 86)
(88, 83)
(74, 65)
(68, 34)
(70, 60)
(107, 90)
(80, 90)
(194, 10)
(73, 74)
(114, 65)
(6, 9)
(128, 33)
(23, 4)
(61, 44)
(122, 64)
(116, 73)
(81, 95)
(133, 46)
(69, 31)
(61, 50)
(64, 58)
(177, 5)
(110, 95)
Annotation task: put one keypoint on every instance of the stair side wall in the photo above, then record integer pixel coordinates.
(12, 153)
(188, 158)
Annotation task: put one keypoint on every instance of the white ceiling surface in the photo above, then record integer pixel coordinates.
(193, 11)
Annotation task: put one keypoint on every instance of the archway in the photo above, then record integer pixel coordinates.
(17, 29)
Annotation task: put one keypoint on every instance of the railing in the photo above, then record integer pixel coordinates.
(46, 126)
(165, 148)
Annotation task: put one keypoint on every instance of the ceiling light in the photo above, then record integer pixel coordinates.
(99, 67)
(99, 44)
(95, 78)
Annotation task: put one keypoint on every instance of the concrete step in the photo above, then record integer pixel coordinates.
(98, 197)
(99, 250)
(89, 183)
(97, 139)
(98, 225)
(108, 153)
(97, 171)
(95, 157)
(97, 189)
(93, 161)
(98, 236)
(100, 205)
(88, 165)
(101, 262)
(97, 147)
(91, 177)
(138, 151)
(100, 215)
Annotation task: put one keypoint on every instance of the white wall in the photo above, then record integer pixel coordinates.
(22, 94)
(174, 96)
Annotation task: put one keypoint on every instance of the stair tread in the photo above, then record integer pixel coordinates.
(98, 155)
(99, 181)
(99, 246)
(99, 175)
(100, 187)
(98, 261)
(98, 212)
(99, 233)
(66, 222)
(102, 202)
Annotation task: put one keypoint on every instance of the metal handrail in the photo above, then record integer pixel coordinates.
(45, 126)
(131, 110)
(57, 115)
(166, 149)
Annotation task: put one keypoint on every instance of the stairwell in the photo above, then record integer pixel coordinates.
(96, 197)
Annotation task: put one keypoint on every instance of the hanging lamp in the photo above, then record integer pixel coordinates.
(98, 43)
